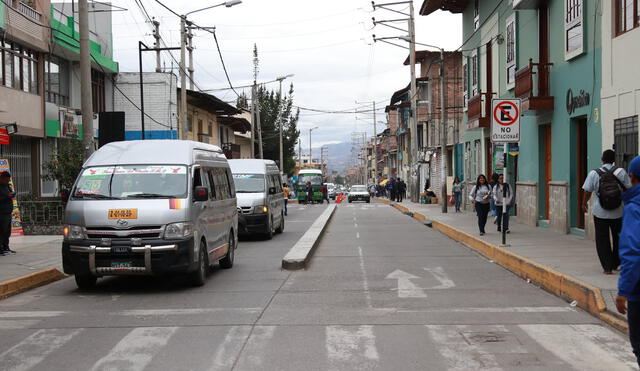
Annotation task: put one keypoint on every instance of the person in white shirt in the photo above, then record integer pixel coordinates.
(500, 200)
(480, 196)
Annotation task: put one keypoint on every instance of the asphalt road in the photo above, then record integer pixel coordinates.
(382, 293)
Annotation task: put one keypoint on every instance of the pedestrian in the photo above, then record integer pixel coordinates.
(457, 192)
(492, 204)
(404, 189)
(399, 191)
(325, 193)
(500, 200)
(609, 183)
(309, 193)
(285, 190)
(480, 196)
(6, 209)
(392, 189)
(628, 299)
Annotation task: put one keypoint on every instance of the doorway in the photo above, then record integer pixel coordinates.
(581, 166)
(545, 169)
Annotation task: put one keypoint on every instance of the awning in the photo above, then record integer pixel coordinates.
(238, 124)
(453, 6)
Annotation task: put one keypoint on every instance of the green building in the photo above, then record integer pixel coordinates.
(547, 53)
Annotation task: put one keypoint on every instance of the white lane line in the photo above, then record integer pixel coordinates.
(365, 280)
(228, 351)
(182, 311)
(357, 234)
(351, 348)
(136, 350)
(356, 225)
(14, 324)
(439, 274)
(492, 310)
(31, 314)
(34, 349)
(459, 354)
(256, 348)
(584, 347)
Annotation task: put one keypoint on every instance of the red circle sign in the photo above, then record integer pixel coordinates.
(511, 118)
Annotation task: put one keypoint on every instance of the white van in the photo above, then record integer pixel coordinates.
(260, 196)
(148, 208)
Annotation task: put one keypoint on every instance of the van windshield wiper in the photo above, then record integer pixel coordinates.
(95, 196)
(148, 195)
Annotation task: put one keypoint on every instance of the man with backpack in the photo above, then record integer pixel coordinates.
(609, 182)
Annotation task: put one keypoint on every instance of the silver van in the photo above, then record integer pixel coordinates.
(149, 208)
(260, 196)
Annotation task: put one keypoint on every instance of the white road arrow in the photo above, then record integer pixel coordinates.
(406, 288)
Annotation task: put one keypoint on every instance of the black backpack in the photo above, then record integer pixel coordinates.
(610, 190)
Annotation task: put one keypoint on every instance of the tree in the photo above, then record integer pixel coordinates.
(65, 163)
(271, 108)
(339, 180)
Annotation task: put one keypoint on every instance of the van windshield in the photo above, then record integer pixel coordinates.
(314, 179)
(249, 183)
(132, 181)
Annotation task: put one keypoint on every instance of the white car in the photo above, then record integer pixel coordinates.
(359, 193)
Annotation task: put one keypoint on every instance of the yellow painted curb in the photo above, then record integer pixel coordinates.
(29, 281)
(568, 288)
(383, 200)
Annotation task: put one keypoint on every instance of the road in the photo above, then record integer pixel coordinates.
(383, 292)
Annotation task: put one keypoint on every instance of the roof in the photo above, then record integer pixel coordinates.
(210, 103)
(453, 6)
(239, 124)
(427, 54)
(148, 152)
(310, 171)
(397, 96)
(251, 166)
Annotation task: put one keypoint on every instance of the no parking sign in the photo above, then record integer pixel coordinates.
(505, 121)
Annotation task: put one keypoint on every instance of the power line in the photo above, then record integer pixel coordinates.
(224, 67)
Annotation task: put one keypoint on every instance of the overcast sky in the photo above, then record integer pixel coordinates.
(327, 45)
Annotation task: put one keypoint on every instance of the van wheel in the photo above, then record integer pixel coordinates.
(199, 276)
(86, 281)
(227, 261)
(269, 234)
(281, 226)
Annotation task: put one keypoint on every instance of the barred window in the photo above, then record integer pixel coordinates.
(625, 140)
(511, 51)
(627, 15)
(574, 37)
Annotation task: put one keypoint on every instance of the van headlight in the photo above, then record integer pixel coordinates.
(178, 230)
(72, 232)
(260, 209)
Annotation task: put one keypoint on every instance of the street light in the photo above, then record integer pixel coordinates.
(310, 151)
(280, 79)
(227, 4)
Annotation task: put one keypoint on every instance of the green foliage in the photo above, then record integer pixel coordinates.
(339, 180)
(65, 163)
(270, 105)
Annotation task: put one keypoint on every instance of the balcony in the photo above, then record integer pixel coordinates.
(535, 97)
(478, 111)
(231, 151)
(28, 11)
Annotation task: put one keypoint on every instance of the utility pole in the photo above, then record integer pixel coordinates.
(183, 78)
(259, 129)
(190, 49)
(156, 35)
(280, 125)
(85, 80)
(414, 107)
(443, 132)
(253, 120)
(255, 104)
(375, 146)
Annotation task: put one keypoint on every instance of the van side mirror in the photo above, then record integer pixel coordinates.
(200, 194)
(272, 190)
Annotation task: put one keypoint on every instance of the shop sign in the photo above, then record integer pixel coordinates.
(582, 99)
(4, 136)
(70, 124)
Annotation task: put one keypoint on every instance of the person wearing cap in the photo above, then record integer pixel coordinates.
(628, 300)
(6, 209)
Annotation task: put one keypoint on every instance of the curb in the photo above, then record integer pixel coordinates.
(568, 288)
(300, 254)
(29, 281)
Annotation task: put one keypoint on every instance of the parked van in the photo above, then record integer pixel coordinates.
(149, 208)
(260, 196)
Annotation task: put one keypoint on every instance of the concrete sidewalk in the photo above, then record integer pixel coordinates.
(34, 255)
(570, 255)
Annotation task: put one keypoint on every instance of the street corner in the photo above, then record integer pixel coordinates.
(29, 281)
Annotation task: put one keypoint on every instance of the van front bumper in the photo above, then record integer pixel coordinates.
(155, 257)
(250, 224)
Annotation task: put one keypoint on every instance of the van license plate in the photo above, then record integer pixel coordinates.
(120, 264)
(123, 213)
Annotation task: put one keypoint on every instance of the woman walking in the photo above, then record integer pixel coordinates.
(457, 192)
(480, 196)
(500, 200)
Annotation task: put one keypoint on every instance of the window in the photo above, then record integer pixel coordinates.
(474, 73)
(627, 15)
(465, 82)
(200, 127)
(220, 183)
(212, 188)
(189, 123)
(625, 140)
(97, 90)
(19, 67)
(511, 51)
(573, 29)
(476, 15)
(56, 75)
(232, 188)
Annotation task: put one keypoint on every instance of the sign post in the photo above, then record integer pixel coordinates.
(505, 128)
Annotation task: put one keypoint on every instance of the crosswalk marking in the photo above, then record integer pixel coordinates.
(136, 350)
(30, 314)
(256, 348)
(351, 347)
(230, 348)
(459, 354)
(182, 311)
(35, 348)
(585, 347)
